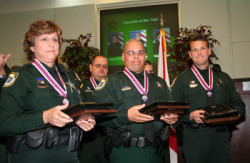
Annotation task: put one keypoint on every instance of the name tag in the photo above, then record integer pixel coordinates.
(126, 88)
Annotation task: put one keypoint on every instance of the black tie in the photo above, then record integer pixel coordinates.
(54, 74)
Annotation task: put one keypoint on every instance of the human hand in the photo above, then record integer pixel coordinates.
(197, 116)
(86, 122)
(135, 116)
(170, 118)
(3, 62)
(56, 117)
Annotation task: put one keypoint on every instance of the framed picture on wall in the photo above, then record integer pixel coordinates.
(117, 26)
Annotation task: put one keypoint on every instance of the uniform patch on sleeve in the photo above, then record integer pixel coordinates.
(77, 76)
(173, 82)
(102, 84)
(11, 79)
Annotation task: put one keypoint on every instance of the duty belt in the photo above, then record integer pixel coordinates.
(197, 125)
(114, 138)
(140, 142)
(48, 137)
(218, 128)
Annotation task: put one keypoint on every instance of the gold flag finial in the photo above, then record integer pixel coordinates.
(161, 21)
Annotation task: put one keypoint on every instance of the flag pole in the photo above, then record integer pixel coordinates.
(162, 56)
(163, 73)
(161, 21)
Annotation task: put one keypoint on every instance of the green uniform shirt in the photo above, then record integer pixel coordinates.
(187, 88)
(2, 80)
(119, 90)
(92, 149)
(87, 89)
(3, 153)
(25, 95)
(212, 143)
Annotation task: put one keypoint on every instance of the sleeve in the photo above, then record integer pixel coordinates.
(169, 96)
(13, 120)
(2, 80)
(178, 90)
(108, 93)
(81, 88)
(178, 93)
(78, 85)
(235, 100)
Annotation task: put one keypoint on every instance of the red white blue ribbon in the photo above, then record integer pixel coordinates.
(201, 80)
(50, 79)
(93, 82)
(142, 90)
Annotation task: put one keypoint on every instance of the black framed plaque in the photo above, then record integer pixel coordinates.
(165, 107)
(89, 107)
(220, 114)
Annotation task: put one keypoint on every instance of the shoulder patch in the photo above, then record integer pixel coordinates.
(102, 84)
(77, 76)
(11, 79)
(173, 83)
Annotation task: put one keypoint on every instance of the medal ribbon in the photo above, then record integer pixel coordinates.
(93, 82)
(50, 79)
(201, 80)
(137, 84)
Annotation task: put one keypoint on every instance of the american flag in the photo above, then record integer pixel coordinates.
(157, 32)
(143, 34)
(120, 38)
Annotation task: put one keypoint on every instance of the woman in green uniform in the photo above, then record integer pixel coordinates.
(35, 95)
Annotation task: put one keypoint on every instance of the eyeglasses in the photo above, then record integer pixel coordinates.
(99, 66)
(132, 53)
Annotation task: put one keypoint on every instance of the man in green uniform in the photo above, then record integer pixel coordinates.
(149, 68)
(4, 72)
(132, 136)
(92, 150)
(204, 86)
(4, 69)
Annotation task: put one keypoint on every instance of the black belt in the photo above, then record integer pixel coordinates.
(48, 137)
(197, 125)
(219, 128)
(140, 142)
(115, 138)
(126, 139)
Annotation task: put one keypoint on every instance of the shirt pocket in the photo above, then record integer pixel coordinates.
(194, 94)
(45, 98)
(220, 96)
(127, 93)
(159, 94)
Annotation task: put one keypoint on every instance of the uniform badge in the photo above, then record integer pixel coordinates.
(126, 88)
(158, 84)
(71, 85)
(102, 84)
(193, 84)
(11, 79)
